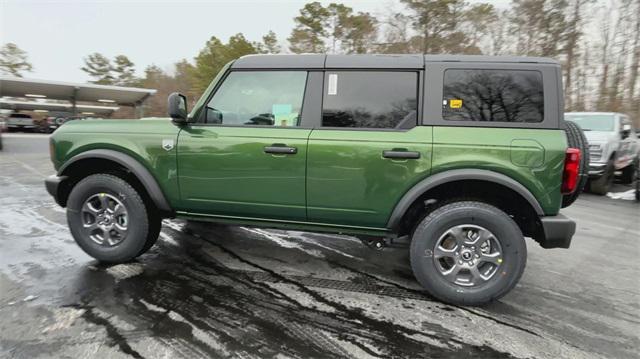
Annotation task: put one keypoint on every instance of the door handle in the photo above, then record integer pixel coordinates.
(280, 149)
(401, 154)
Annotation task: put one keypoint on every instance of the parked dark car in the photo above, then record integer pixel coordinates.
(52, 123)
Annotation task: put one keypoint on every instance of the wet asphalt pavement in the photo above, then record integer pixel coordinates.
(220, 291)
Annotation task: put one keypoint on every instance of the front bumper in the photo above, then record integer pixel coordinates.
(53, 184)
(597, 169)
(21, 126)
(558, 231)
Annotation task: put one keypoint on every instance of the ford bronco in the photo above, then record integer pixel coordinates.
(459, 158)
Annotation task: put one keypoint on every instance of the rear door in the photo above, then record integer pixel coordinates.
(501, 117)
(246, 157)
(368, 150)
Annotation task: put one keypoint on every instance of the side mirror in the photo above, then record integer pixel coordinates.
(178, 107)
(626, 131)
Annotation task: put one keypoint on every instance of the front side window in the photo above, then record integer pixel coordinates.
(493, 95)
(370, 99)
(258, 98)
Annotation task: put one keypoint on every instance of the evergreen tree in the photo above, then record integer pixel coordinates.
(124, 71)
(13, 60)
(99, 68)
(215, 55)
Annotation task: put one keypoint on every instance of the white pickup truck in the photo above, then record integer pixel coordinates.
(20, 121)
(613, 146)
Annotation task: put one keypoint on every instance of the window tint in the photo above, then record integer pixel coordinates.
(266, 98)
(370, 99)
(493, 95)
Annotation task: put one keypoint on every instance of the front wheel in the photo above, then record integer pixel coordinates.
(468, 253)
(602, 184)
(109, 220)
(628, 174)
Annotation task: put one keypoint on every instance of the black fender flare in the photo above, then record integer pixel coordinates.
(458, 175)
(146, 178)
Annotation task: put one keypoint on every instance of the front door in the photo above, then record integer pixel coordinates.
(369, 150)
(246, 157)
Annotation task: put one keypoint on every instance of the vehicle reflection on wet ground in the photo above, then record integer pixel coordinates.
(209, 290)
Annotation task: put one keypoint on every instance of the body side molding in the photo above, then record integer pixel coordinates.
(458, 175)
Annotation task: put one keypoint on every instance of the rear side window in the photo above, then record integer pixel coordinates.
(258, 98)
(370, 99)
(493, 95)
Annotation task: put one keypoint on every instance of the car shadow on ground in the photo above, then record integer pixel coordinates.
(212, 294)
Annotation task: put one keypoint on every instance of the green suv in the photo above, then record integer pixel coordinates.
(456, 157)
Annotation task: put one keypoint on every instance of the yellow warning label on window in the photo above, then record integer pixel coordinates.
(455, 103)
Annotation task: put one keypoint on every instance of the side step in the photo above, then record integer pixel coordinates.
(379, 243)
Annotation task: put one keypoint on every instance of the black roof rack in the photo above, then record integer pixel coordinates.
(372, 61)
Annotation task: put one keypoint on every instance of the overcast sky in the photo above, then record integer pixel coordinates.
(57, 35)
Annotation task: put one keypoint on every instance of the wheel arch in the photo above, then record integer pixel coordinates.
(467, 183)
(113, 160)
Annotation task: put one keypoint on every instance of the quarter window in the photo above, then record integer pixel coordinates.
(370, 99)
(258, 98)
(493, 96)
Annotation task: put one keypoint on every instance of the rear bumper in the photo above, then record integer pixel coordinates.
(558, 231)
(53, 184)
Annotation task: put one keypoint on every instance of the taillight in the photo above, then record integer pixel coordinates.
(571, 170)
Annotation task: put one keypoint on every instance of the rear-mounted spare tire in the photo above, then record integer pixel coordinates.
(577, 139)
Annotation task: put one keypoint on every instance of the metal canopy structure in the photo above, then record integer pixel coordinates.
(73, 92)
(52, 106)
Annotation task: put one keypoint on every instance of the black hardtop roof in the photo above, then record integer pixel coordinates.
(322, 61)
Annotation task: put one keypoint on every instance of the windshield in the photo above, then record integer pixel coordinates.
(592, 122)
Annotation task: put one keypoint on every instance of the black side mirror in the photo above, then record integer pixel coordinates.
(178, 107)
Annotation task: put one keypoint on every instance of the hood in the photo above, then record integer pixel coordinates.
(599, 136)
(144, 125)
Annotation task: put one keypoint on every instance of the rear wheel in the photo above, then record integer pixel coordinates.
(468, 253)
(577, 139)
(109, 220)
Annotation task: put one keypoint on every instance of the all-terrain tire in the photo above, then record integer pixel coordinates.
(428, 233)
(155, 225)
(577, 139)
(628, 173)
(139, 226)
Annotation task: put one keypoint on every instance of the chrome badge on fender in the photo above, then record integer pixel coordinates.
(167, 144)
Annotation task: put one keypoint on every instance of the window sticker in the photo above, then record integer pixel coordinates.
(332, 88)
(455, 103)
